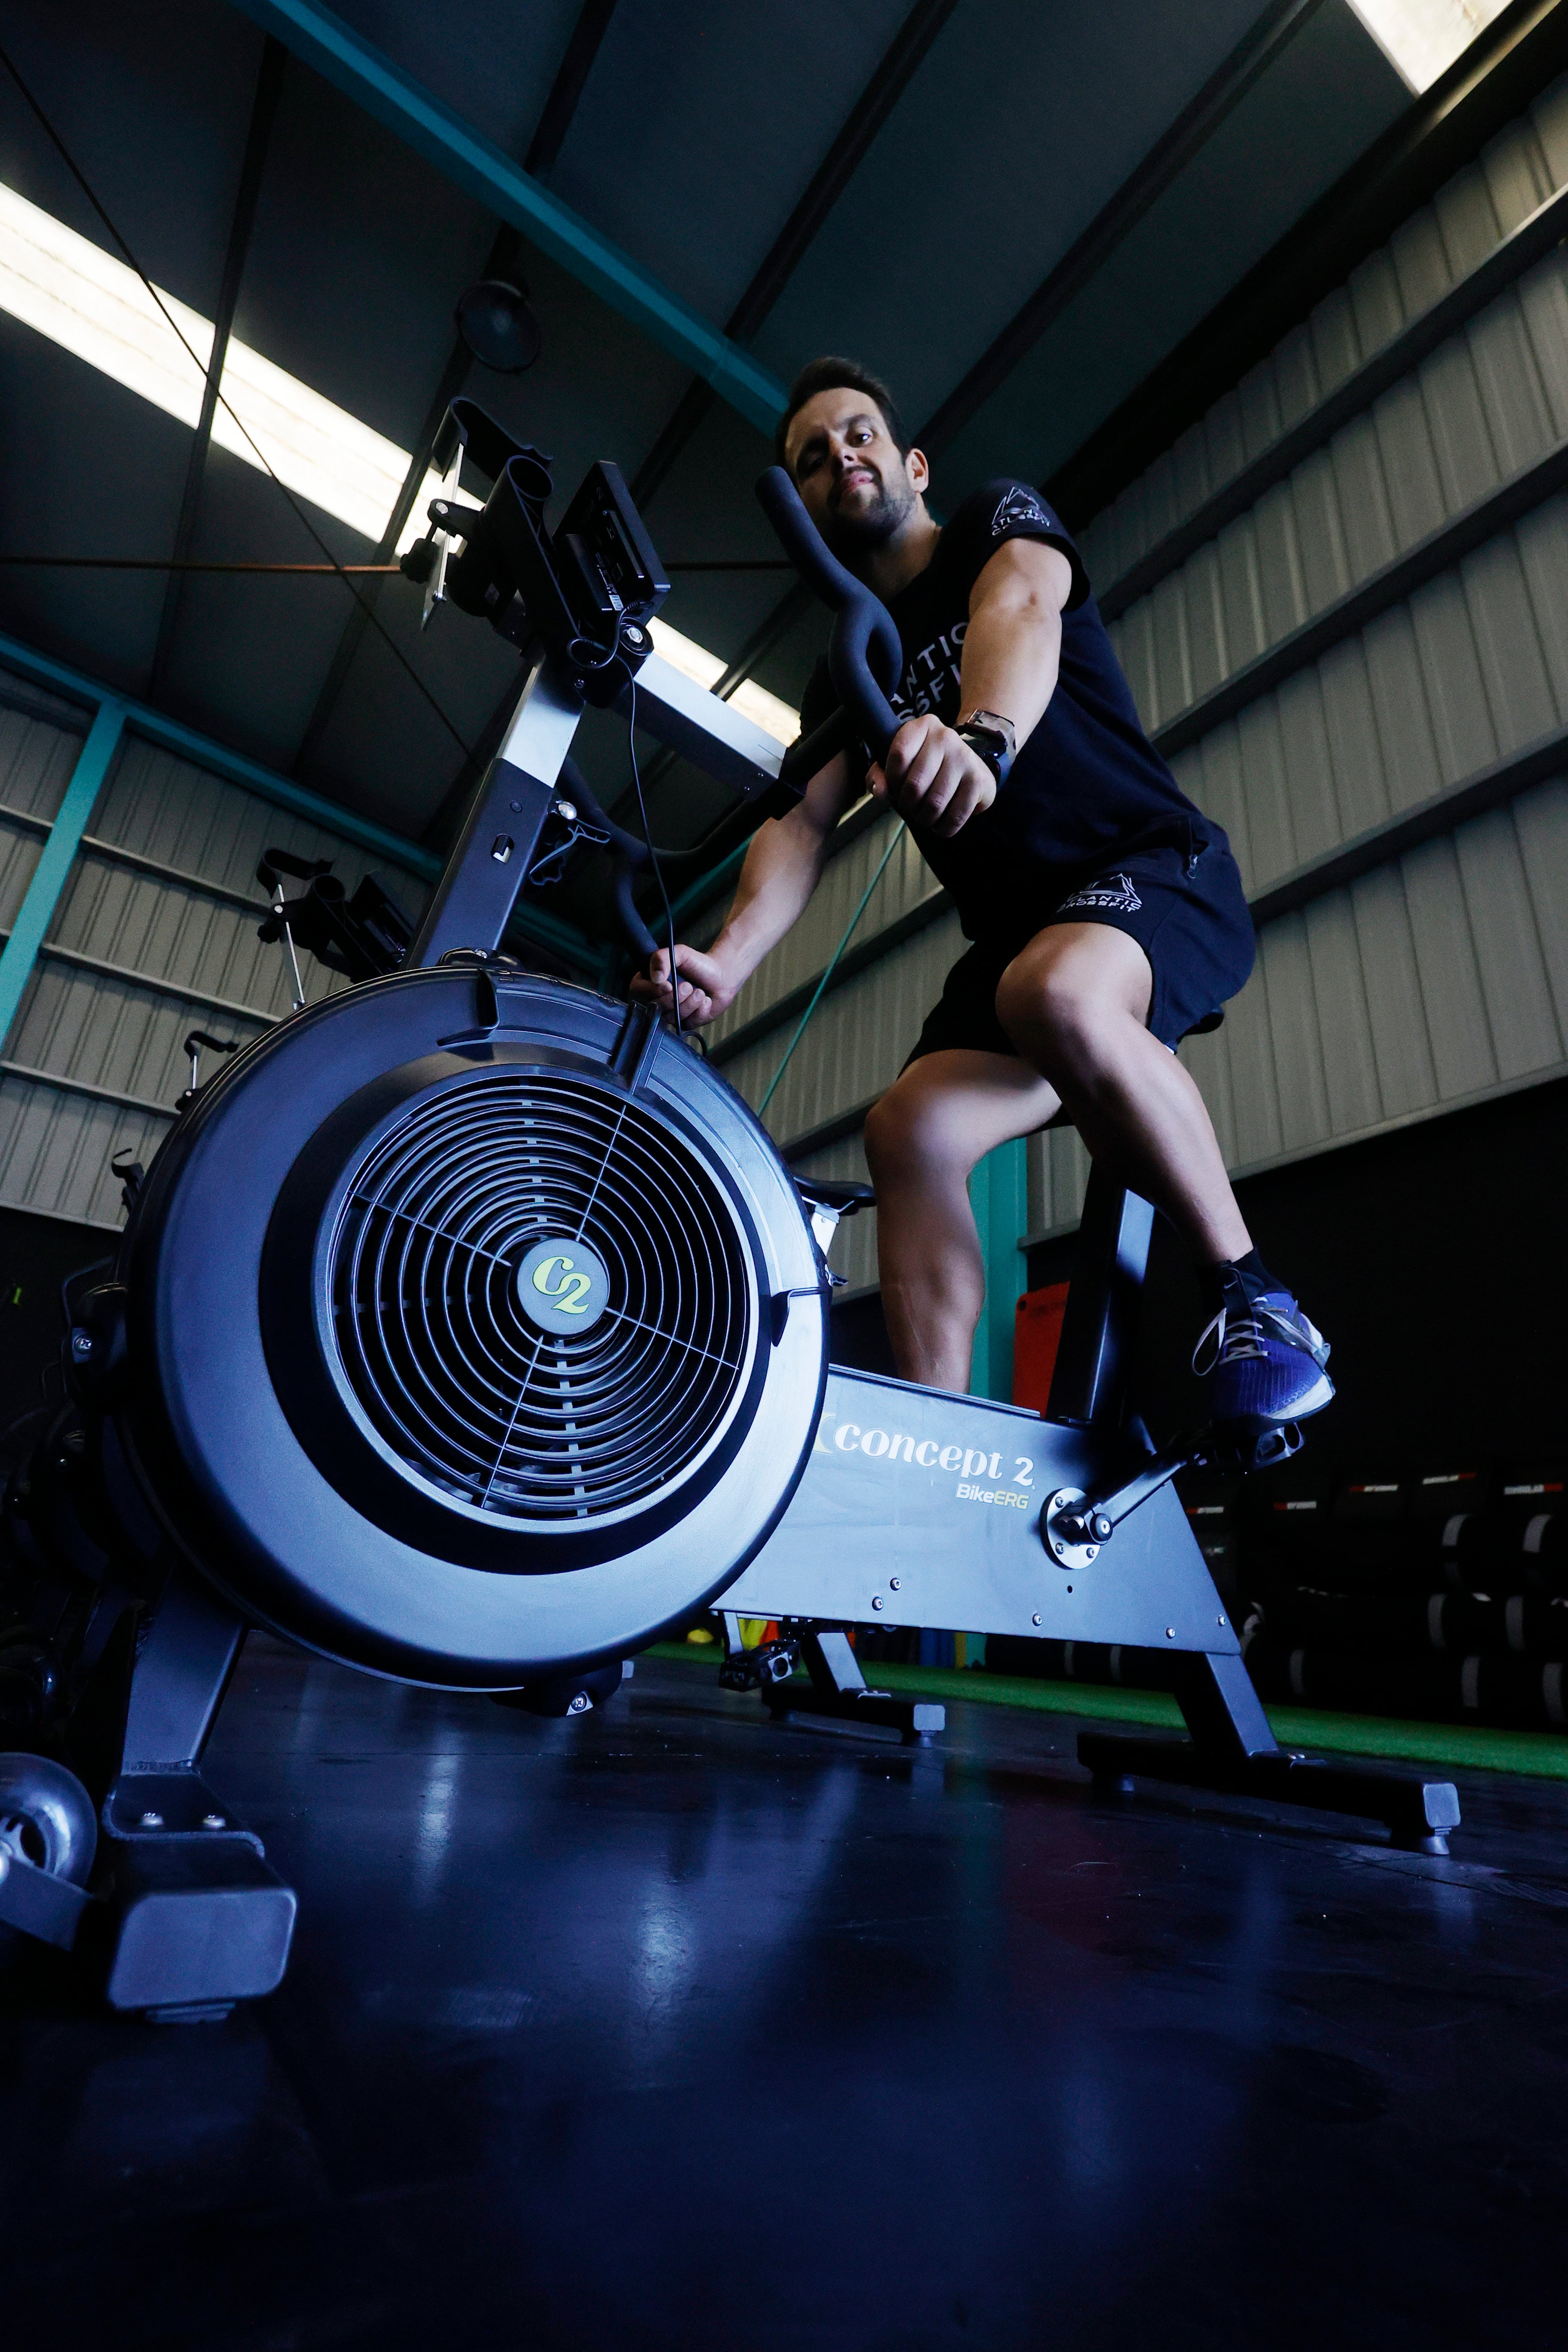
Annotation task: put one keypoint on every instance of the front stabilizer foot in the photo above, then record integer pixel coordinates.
(759, 1669)
(196, 1927)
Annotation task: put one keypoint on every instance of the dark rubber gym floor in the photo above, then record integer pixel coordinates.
(667, 2029)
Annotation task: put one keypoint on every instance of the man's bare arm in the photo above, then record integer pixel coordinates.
(775, 883)
(1013, 642)
(1012, 647)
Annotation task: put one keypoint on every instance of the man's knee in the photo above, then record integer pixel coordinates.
(904, 1131)
(889, 1134)
(1046, 1004)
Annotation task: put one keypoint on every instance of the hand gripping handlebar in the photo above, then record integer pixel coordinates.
(864, 656)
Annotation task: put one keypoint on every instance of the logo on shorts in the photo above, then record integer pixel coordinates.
(1114, 895)
(1020, 510)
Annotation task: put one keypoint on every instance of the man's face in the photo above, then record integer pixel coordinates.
(855, 487)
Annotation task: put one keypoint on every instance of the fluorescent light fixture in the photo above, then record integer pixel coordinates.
(95, 306)
(764, 709)
(1421, 38)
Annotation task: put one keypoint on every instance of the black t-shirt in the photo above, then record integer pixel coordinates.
(1087, 788)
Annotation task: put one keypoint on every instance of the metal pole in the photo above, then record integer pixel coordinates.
(37, 909)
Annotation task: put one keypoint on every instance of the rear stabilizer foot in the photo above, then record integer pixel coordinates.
(1415, 1811)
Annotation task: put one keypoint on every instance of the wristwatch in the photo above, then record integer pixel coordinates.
(991, 738)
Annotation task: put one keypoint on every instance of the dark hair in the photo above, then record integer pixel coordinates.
(829, 374)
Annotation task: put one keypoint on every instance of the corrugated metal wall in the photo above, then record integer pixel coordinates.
(155, 935)
(1442, 975)
(1487, 399)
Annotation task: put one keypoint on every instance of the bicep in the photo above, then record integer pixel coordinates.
(1023, 572)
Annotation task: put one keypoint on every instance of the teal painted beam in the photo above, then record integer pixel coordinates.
(999, 1195)
(283, 793)
(485, 170)
(43, 894)
(707, 886)
(155, 727)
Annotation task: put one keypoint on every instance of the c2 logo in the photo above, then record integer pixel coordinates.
(563, 1286)
(571, 1292)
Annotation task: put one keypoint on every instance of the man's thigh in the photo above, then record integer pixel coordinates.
(1096, 962)
(955, 1105)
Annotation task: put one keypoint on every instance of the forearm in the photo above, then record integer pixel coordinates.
(1013, 644)
(1011, 651)
(775, 884)
(776, 880)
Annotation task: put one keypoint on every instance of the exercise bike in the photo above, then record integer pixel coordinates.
(468, 1330)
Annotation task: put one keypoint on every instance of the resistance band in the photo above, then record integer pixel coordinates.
(832, 965)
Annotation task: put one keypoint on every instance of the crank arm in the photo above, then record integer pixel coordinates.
(1075, 1525)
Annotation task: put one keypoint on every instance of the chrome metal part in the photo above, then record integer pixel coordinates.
(1062, 1527)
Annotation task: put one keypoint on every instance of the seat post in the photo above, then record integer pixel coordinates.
(1099, 1328)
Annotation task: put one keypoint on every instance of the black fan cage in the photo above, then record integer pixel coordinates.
(450, 1372)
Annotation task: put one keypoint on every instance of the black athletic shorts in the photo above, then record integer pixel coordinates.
(1188, 914)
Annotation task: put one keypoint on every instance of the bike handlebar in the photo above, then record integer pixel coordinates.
(864, 661)
(865, 653)
(630, 856)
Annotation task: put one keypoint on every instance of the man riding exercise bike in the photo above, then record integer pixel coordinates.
(1105, 911)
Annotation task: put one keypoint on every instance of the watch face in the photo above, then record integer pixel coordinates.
(990, 723)
(989, 744)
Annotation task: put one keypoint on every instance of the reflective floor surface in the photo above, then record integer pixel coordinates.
(665, 2030)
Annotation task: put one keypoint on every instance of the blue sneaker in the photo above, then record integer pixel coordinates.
(1267, 1359)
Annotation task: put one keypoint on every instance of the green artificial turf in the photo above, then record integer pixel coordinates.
(1487, 1748)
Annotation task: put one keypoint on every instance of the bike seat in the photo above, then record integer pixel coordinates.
(840, 1199)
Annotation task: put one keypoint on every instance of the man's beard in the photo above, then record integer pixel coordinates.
(858, 535)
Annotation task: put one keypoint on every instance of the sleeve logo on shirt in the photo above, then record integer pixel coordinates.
(1020, 509)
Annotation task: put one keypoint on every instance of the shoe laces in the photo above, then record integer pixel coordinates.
(1239, 1333)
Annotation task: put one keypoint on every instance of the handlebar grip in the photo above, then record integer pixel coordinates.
(802, 542)
(643, 942)
(865, 655)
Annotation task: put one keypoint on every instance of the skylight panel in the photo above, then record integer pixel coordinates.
(766, 710)
(92, 304)
(1421, 38)
(317, 448)
(66, 288)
